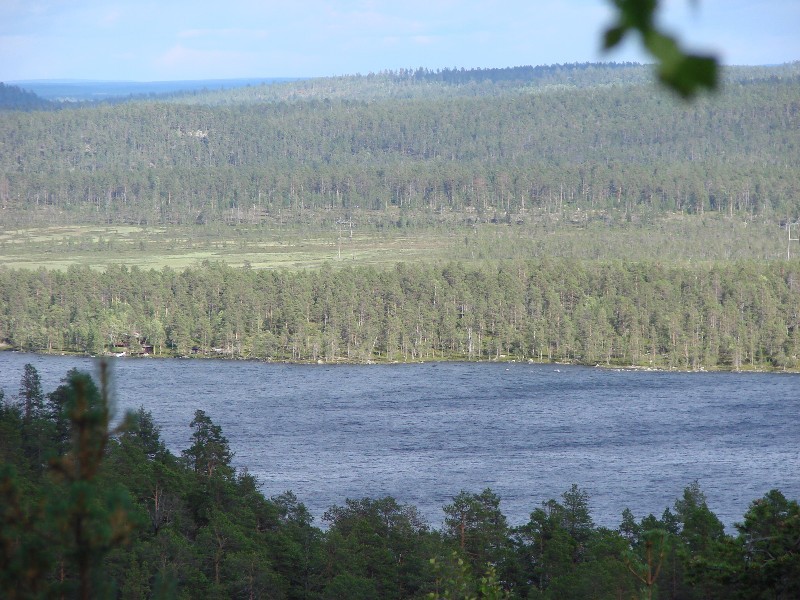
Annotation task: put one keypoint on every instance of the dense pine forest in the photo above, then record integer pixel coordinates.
(86, 512)
(564, 213)
(736, 315)
(334, 148)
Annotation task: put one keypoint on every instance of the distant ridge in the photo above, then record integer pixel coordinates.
(79, 90)
(13, 97)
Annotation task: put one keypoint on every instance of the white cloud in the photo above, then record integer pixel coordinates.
(111, 17)
(425, 40)
(223, 32)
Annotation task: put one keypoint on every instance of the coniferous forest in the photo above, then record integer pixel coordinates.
(364, 146)
(93, 513)
(736, 315)
(571, 213)
(580, 215)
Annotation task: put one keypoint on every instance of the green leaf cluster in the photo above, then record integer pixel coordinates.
(683, 72)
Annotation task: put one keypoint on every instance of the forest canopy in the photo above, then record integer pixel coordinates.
(516, 163)
(735, 315)
(510, 142)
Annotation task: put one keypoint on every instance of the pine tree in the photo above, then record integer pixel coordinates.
(30, 393)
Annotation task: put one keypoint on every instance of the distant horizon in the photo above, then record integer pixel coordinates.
(288, 78)
(68, 81)
(149, 41)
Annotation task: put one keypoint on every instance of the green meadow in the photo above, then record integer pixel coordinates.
(154, 248)
(675, 238)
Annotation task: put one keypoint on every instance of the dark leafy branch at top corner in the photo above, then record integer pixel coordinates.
(683, 72)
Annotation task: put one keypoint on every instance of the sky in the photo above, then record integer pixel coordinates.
(168, 40)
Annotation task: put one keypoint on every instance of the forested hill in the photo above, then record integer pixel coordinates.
(508, 153)
(442, 83)
(450, 83)
(13, 97)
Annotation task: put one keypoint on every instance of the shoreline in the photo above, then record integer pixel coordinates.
(345, 362)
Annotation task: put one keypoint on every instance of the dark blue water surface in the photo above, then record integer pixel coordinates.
(423, 432)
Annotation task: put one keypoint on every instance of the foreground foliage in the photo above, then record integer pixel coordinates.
(89, 513)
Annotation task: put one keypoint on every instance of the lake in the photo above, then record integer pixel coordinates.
(423, 432)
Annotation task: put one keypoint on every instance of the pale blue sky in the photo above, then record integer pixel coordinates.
(152, 40)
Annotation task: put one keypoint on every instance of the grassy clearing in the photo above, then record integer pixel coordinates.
(679, 240)
(75, 234)
(148, 248)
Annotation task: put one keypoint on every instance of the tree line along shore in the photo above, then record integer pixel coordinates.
(732, 315)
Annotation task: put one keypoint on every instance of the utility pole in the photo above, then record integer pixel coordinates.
(791, 239)
(341, 222)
